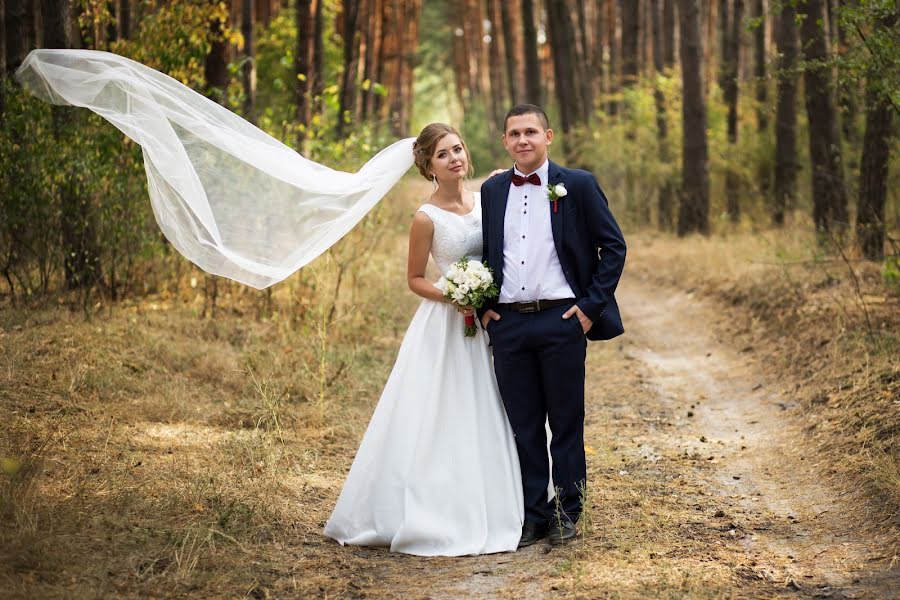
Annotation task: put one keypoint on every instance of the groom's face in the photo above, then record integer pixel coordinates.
(526, 140)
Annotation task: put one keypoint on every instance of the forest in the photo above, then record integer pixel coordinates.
(695, 115)
(174, 433)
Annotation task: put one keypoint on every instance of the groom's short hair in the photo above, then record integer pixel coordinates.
(527, 109)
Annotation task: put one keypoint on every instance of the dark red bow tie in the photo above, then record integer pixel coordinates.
(533, 179)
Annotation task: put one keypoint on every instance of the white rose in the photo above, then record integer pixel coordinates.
(561, 190)
(464, 288)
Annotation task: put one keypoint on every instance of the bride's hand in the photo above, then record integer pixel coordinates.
(497, 172)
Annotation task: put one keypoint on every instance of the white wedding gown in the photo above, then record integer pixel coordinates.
(437, 471)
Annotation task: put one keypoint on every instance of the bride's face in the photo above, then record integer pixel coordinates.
(449, 161)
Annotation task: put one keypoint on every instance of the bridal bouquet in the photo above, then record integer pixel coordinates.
(470, 283)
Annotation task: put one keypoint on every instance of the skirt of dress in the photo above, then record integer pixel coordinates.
(437, 473)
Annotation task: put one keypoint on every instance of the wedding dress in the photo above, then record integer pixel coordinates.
(437, 471)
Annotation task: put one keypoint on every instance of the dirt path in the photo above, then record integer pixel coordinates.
(700, 486)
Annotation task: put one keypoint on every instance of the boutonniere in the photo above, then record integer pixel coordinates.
(555, 192)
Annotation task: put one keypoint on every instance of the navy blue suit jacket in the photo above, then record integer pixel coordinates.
(588, 241)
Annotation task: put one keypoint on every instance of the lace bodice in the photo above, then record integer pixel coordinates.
(455, 235)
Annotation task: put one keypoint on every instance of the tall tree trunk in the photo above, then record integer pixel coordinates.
(729, 82)
(511, 17)
(630, 40)
(125, 20)
(848, 93)
(669, 25)
(829, 195)
(318, 54)
(873, 172)
(786, 165)
(351, 59)
(16, 35)
(710, 47)
(532, 65)
(583, 73)
(413, 9)
(666, 192)
(759, 63)
(563, 51)
(497, 50)
(693, 214)
(216, 71)
(612, 105)
(374, 43)
(2, 58)
(249, 67)
(303, 65)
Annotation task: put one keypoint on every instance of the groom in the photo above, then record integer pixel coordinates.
(556, 259)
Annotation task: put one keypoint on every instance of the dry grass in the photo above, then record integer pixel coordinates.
(151, 453)
(838, 346)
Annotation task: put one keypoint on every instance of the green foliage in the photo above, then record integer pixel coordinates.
(872, 51)
(891, 273)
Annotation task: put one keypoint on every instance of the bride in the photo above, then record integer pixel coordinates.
(437, 471)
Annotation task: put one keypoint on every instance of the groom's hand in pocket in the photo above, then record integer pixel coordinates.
(586, 323)
(488, 316)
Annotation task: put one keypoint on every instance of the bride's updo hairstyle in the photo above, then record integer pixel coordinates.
(423, 147)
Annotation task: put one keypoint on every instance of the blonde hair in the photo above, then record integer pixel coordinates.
(423, 147)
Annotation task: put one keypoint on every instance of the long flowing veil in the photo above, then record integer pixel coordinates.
(229, 197)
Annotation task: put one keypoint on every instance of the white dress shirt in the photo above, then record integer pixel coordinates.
(531, 269)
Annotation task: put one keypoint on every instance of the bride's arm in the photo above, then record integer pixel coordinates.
(421, 233)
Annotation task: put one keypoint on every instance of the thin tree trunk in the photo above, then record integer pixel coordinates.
(598, 61)
(16, 36)
(730, 70)
(318, 54)
(612, 105)
(125, 19)
(303, 67)
(848, 93)
(759, 63)
(373, 53)
(3, 62)
(666, 192)
(563, 51)
(532, 65)
(630, 40)
(693, 214)
(669, 25)
(582, 63)
(873, 172)
(497, 54)
(249, 67)
(829, 194)
(786, 165)
(351, 59)
(216, 70)
(410, 46)
(511, 16)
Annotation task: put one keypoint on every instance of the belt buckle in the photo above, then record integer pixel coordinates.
(531, 307)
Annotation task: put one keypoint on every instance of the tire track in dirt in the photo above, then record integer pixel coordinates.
(798, 531)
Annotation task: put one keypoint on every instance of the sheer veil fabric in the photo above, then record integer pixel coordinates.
(230, 198)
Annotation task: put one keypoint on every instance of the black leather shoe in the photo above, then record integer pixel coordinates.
(531, 532)
(561, 532)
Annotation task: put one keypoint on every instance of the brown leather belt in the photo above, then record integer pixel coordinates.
(535, 305)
